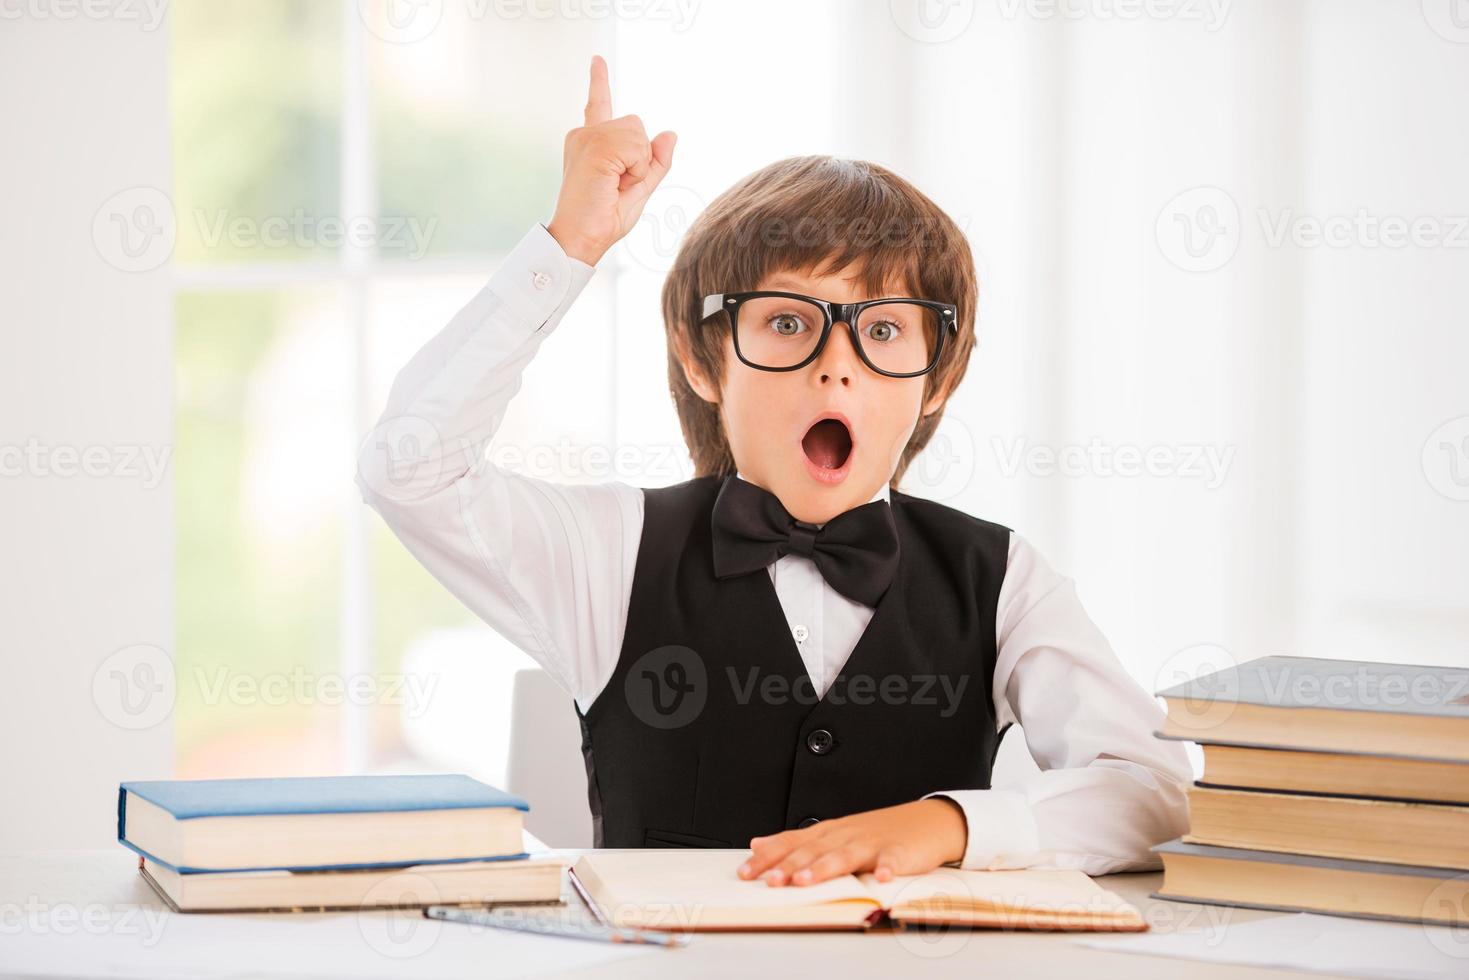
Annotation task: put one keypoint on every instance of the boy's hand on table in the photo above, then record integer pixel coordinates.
(608, 171)
(898, 840)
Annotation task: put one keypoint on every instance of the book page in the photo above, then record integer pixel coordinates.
(1059, 892)
(707, 878)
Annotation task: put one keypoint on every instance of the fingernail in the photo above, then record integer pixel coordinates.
(745, 870)
(774, 877)
(803, 876)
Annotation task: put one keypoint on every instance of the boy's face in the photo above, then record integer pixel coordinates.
(774, 419)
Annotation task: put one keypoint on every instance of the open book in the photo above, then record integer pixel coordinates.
(697, 890)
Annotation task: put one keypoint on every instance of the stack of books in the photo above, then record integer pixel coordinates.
(343, 842)
(1329, 786)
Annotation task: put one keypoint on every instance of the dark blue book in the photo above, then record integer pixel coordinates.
(323, 823)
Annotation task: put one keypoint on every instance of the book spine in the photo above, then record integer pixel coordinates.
(122, 803)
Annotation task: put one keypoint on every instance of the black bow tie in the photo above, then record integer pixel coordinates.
(856, 552)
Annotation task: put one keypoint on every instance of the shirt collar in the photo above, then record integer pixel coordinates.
(882, 491)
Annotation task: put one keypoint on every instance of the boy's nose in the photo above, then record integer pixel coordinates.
(839, 360)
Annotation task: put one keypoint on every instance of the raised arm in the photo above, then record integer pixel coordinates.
(548, 565)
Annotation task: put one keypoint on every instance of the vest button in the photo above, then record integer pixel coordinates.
(808, 822)
(820, 741)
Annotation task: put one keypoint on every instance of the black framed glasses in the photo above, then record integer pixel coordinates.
(775, 331)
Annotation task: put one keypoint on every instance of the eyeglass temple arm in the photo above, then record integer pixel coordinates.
(713, 304)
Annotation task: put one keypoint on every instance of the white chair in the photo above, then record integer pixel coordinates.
(545, 764)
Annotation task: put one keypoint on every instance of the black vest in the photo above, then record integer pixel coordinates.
(709, 732)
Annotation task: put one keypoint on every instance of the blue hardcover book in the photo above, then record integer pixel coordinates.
(320, 823)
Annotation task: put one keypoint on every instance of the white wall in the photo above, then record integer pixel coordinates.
(1317, 372)
(1062, 146)
(1066, 139)
(86, 561)
(1384, 530)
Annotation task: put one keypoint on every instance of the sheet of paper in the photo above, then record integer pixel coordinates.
(166, 946)
(1316, 943)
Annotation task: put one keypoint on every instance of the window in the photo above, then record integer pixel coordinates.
(338, 196)
(342, 188)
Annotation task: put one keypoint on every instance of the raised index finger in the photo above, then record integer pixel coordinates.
(599, 95)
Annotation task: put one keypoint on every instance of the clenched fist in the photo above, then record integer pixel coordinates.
(609, 170)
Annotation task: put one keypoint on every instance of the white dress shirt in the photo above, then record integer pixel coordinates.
(550, 567)
(825, 624)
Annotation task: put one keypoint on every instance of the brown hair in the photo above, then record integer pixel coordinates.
(816, 214)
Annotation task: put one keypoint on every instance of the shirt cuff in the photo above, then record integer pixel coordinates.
(1002, 830)
(538, 281)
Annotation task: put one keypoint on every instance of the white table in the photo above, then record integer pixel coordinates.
(93, 895)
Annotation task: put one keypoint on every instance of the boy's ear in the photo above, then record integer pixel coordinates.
(693, 374)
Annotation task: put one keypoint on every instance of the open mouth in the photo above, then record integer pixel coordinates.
(828, 444)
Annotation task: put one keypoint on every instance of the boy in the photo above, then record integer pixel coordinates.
(785, 652)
